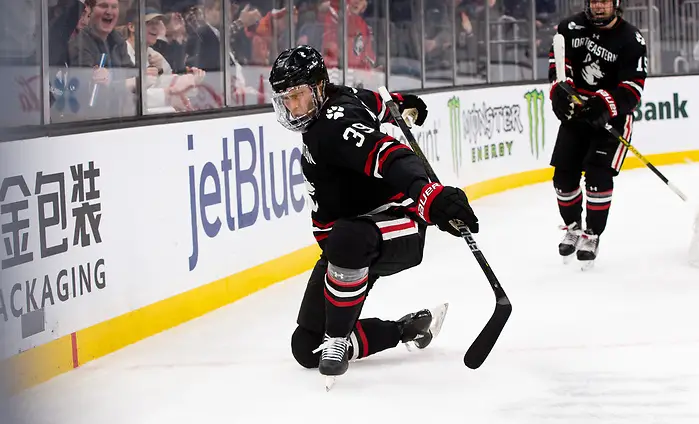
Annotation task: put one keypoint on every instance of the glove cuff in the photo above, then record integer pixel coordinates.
(568, 80)
(397, 97)
(427, 195)
(609, 102)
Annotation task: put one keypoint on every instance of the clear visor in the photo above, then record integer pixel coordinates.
(296, 107)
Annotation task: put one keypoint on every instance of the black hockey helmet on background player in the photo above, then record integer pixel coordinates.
(602, 12)
(299, 79)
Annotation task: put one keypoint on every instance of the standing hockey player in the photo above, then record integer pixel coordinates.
(606, 64)
(371, 202)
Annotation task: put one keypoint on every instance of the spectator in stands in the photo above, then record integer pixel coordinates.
(165, 91)
(438, 35)
(69, 18)
(270, 36)
(466, 38)
(405, 41)
(472, 14)
(359, 38)
(244, 22)
(312, 15)
(66, 25)
(173, 44)
(115, 80)
(206, 54)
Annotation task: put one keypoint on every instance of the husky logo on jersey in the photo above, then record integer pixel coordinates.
(573, 26)
(640, 39)
(335, 112)
(307, 155)
(592, 73)
(311, 190)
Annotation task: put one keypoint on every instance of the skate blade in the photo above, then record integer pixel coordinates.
(329, 382)
(439, 313)
(586, 265)
(568, 259)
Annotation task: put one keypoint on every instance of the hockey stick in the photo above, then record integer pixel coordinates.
(484, 343)
(559, 57)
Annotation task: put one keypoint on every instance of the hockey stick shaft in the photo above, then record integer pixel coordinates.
(484, 343)
(559, 58)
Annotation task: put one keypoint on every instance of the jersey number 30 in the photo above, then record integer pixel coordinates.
(350, 131)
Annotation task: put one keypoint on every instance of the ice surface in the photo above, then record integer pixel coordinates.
(616, 344)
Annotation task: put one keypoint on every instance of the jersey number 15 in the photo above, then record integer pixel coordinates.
(642, 64)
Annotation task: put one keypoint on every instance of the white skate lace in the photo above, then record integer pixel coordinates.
(573, 233)
(334, 348)
(589, 242)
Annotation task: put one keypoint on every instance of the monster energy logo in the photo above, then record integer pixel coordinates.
(535, 114)
(454, 106)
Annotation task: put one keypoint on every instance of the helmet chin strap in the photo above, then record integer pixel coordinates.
(602, 22)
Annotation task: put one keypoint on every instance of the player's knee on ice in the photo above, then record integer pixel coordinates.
(353, 243)
(303, 342)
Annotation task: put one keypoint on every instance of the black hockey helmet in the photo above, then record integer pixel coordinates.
(602, 20)
(298, 75)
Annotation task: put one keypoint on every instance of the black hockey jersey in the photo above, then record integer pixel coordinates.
(610, 63)
(347, 160)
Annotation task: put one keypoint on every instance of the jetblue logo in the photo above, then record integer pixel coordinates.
(271, 177)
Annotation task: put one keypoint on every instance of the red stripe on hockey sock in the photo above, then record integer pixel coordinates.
(365, 341)
(600, 193)
(349, 283)
(594, 207)
(578, 199)
(340, 304)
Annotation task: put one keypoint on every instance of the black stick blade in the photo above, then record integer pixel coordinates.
(484, 343)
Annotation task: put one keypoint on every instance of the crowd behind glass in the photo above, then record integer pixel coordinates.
(78, 60)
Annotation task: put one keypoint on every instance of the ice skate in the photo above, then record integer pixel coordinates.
(334, 360)
(587, 253)
(418, 329)
(570, 241)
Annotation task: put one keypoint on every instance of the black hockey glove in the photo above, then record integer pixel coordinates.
(561, 103)
(594, 112)
(439, 204)
(411, 101)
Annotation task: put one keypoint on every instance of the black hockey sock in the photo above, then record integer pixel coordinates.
(372, 335)
(570, 204)
(598, 203)
(345, 291)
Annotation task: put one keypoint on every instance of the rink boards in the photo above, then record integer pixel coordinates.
(111, 237)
